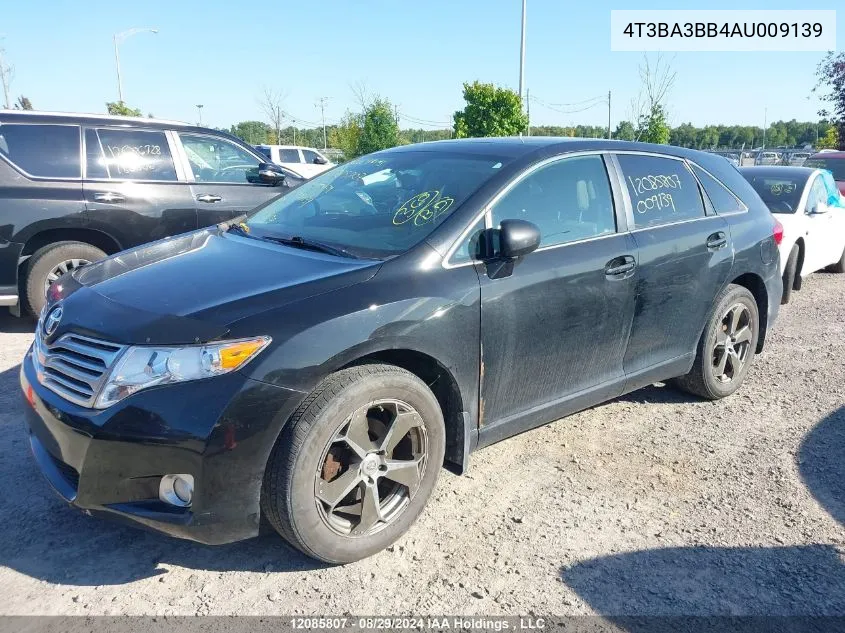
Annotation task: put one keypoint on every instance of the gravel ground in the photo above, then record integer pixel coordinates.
(655, 503)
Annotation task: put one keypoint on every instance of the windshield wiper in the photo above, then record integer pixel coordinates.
(234, 225)
(299, 242)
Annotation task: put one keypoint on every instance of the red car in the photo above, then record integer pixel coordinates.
(832, 161)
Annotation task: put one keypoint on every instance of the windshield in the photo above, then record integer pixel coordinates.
(378, 205)
(835, 165)
(780, 193)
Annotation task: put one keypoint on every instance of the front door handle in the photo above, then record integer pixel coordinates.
(208, 197)
(620, 267)
(109, 196)
(717, 240)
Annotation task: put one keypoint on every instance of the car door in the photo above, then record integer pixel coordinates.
(133, 188)
(554, 330)
(291, 158)
(684, 257)
(311, 167)
(823, 238)
(223, 177)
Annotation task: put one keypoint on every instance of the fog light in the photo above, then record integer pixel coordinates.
(177, 490)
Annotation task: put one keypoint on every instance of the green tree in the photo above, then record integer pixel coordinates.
(379, 129)
(653, 127)
(625, 131)
(830, 139)
(345, 135)
(119, 108)
(253, 132)
(489, 111)
(831, 80)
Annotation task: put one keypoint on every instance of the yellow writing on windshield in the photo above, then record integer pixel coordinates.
(423, 208)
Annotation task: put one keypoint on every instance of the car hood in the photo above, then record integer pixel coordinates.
(190, 288)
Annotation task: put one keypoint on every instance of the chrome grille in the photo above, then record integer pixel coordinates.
(74, 366)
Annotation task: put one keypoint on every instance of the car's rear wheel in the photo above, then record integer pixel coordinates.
(789, 273)
(356, 464)
(48, 264)
(726, 348)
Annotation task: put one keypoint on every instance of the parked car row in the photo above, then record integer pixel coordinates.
(304, 160)
(79, 187)
(318, 361)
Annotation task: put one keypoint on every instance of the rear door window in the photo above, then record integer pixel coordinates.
(662, 190)
(289, 155)
(47, 151)
(136, 155)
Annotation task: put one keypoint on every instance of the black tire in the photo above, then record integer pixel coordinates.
(44, 261)
(702, 379)
(289, 494)
(789, 273)
(838, 267)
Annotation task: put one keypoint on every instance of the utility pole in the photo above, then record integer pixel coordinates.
(5, 79)
(528, 108)
(322, 105)
(608, 115)
(199, 111)
(522, 53)
(765, 117)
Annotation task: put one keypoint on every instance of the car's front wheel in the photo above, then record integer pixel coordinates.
(48, 264)
(355, 465)
(727, 346)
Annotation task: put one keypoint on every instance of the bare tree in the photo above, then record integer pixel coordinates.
(6, 73)
(361, 94)
(657, 79)
(271, 103)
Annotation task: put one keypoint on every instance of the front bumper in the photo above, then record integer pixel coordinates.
(110, 462)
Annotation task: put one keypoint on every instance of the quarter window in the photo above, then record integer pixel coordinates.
(469, 248)
(569, 200)
(135, 155)
(50, 151)
(309, 156)
(722, 199)
(288, 156)
(217, 160)
(662, 190)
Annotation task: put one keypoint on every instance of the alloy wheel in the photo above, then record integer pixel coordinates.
(733, 343)
(371, 468)
(62, 268)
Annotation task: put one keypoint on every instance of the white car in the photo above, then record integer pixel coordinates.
(812, 211)
(304, 160)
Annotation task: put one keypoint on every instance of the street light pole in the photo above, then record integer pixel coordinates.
(522, 54)
(118, 38)
(199, 111)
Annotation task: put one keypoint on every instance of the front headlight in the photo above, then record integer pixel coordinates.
(141, 367)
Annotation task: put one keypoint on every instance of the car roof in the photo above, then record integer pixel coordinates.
(38, 116)
(286, 146)
(775, 171)
(517, 147)
(828, 155)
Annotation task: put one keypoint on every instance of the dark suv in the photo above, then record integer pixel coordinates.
(318, 362)
(76, 188)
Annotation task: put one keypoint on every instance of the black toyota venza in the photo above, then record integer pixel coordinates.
(318, 362)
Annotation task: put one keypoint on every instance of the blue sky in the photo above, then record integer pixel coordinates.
(417, 54)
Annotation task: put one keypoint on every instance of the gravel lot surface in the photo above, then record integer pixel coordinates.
(655, 503)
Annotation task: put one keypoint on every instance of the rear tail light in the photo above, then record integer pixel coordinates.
(777, 232)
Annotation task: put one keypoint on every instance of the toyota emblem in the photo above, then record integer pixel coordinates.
(52, 320)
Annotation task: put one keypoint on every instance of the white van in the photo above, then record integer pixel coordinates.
(303, 160)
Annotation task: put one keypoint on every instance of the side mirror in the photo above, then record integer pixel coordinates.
(517, 238)
(320, 161)
(270, 174)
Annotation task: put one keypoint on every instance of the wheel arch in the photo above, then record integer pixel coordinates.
(445, 387)
(757, 287)
(105, 242)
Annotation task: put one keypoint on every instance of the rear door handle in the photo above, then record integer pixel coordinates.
(208, 197)
(619, 267)
(109, 196)
(717, 240)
